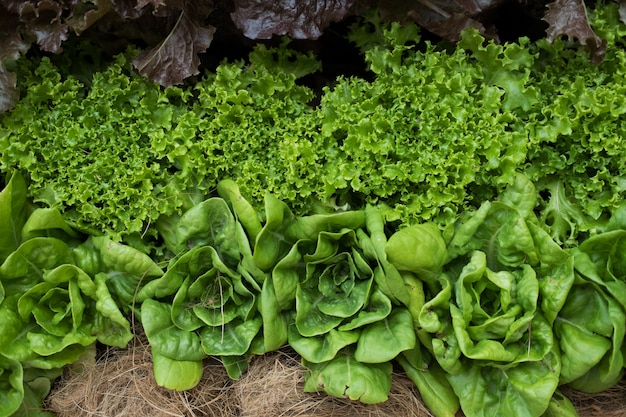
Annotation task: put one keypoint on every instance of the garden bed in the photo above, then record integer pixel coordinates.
(121, 383)
(439, 228)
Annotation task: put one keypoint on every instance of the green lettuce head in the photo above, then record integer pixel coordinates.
(488, 321)
(344, 326)
(593, 318)
(207, 295)
(71, 308)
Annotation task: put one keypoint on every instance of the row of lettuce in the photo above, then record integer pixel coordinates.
(431, 131)
(489, 315)
(459, 215)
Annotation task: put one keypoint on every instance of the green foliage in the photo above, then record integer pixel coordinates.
(120, 152)
(53, 311)
(460, 214)
(434, 133)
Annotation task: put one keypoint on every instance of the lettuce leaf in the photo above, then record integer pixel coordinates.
(259, 19)
(175, 58)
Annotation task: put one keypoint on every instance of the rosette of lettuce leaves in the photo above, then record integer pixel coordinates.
(488, 317)
(593, 319)
(347, 320)
(52, 311)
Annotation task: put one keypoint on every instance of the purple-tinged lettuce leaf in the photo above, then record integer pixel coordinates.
(444, 18)
(261, 19)
(12, 45)
(176, 57)
(44, 20)
(85, 14)
(569, 18)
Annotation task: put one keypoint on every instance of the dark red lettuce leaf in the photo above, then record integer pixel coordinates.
(12, 45)
(85, 14)
(176, 56)
(300, 19)
(44, 21)
(569, 18)
(444, 18)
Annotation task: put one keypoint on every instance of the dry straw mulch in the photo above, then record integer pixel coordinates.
(121, 383)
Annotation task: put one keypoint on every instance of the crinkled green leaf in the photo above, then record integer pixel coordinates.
(37, 387)
(595, 320)
(165, 338)
(123, 258)
(230, 339)
(243, 210)
(210, 223)
(560, 406)
(431, 382)
(345, 377)
(72, 308)
(235, 366)
(274, 320)
(271, 242)
(554, 286)
(34, 256)
(337, 282)
(193, 263)
(562, 218)
(323, 348)
(384, 340)
(177, 353)
(286, 276)
(309, 319)
(47, 222)
(607, 251)
(127, 269)
(309, 227)
(418, 248)
(390, 282)
(378, 307)
(500, 231)
(523, 390)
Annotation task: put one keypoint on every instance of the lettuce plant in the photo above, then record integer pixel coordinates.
(52, 310)
(484, 322)
(594, 315)
(343, 323)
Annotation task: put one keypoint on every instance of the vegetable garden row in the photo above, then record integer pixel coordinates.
(459, 216)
